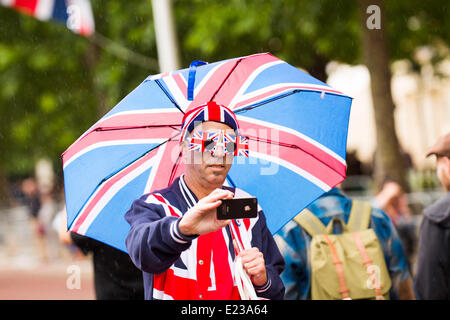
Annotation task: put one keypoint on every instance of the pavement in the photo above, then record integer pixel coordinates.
(23, 273)
(58, 280)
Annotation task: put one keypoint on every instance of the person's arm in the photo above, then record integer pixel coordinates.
(431, 279)
(154, 241)
(396, 261)
(293, 251)
(405, 290)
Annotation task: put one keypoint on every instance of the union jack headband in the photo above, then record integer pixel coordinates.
(208, 112)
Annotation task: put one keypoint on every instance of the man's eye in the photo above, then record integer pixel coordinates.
(208, 144)
(231, 146)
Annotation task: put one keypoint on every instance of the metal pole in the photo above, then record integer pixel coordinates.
(166, 41)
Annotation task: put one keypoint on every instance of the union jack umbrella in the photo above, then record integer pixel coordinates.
(296, 126)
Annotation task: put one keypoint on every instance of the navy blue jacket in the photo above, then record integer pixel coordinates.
(156, 246)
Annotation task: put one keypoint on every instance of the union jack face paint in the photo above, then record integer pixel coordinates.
(210, 141)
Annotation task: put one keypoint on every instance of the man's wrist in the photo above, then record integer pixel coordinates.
(264, 287)
(184, 231)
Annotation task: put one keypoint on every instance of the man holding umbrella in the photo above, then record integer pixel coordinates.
(175, 237)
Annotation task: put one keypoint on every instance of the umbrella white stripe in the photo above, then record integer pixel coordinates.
(250, 79)
(322, 185)
(179, 96)
(109, 195)
(151, 178)
(299, 85)
(111, 143)
(207, 77)
(131, 112)
(296, 133)
(176, 92)
(147, 111)
(278, 92)
(158, 76)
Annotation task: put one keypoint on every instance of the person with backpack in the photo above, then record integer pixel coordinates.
(339, 248)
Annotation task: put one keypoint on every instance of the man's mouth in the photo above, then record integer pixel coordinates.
(216, 166)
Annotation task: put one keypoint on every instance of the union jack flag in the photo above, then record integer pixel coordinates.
(75, 14)
(236, 145)
(296, 127)
(241, 146)
(229, 141)
(197, 142)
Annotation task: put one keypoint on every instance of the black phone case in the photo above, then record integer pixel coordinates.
(237, 209)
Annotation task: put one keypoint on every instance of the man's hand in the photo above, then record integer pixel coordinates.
(253, 263)
(201, 218)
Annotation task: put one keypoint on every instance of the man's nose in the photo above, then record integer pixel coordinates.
(219, 151)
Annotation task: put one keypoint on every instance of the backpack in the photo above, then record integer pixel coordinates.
(349, 265)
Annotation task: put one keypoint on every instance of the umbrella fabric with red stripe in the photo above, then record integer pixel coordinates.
(296, 125)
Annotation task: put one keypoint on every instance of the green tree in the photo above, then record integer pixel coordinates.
(309, 34)
(56, 84)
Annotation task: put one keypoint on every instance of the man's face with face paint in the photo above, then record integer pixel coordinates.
(209, 167)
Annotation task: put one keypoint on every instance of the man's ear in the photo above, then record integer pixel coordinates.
(184, 152)
(447, 164)
(186, 156)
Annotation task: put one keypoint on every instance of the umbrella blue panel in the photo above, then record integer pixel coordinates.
(148, 95)
(110, 225)
(279, 207)
(324, 120)
(96, 166)
(282, 73)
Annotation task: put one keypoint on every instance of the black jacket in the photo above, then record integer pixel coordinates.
(115, 275)
(433, 261)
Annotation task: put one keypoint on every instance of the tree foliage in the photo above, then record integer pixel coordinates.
(55, 84)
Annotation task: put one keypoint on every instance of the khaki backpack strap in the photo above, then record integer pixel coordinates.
(308, 221)
(359, 216)
(375, 282)
(343, 289)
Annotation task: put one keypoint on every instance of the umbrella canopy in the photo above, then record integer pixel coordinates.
(296, 124)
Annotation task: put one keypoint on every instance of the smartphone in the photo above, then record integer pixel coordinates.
(237, 209)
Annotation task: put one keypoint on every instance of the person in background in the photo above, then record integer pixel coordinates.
(32, 199)
(294, 242)
(433, 261)
(115, 276)
(392, 199)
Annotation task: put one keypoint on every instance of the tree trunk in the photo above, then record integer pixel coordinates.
(90, 60)
(389, 159)
(6, 198)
